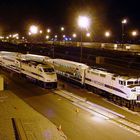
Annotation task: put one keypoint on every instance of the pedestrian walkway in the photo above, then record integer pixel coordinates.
(34, 125)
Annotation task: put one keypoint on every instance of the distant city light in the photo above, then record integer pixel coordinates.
(66, 39)
(55, 36)
(74, 35)
(124, 21)
(115, 46)
(127, 47)
(47, 36)
(29, 33)
(40, 31)
(1, 37)
(33, 29)
(88, 34)
(107, 34)
(62, 28)
(48, 30)
(83, 22)
(134, 33)
(15, 35)
(64, 36)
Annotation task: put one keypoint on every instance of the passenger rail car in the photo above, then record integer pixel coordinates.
(72, 70)
(41, 74)
(34, 57)
(123, 90)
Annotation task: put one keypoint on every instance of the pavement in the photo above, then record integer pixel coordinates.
(94, 98)
(77, 123)
(34, 125)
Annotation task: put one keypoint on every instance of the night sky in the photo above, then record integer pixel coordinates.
(105, 14)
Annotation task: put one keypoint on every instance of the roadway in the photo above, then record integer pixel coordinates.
(60, 111)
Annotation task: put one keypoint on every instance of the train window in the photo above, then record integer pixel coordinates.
(130, 83)
(124, 83)
(136, 82)
(48, 70)
(94, 73)
(102, 75)
(120, 82)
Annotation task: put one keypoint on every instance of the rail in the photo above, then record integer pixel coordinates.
(103, 112)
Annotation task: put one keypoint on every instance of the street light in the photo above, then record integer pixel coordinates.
(74, 35)
(33, 29)
(88, 34)
(55, 36)
(62, 28)
(47, 37)
(124, 21)
(40, 31)
(48, 30)
(63, 36)
(107, 34)
(83, 23)
(29, 33)
(134, 35)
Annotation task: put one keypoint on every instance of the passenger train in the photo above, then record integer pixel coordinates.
(121, 89)
(39, 73)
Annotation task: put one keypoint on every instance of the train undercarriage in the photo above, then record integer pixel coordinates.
(130, 104)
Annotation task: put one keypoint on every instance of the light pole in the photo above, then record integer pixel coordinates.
(107, 34)
(83, 23)
(134, 35)
(33, 30)
(124, 21)
(55, 38)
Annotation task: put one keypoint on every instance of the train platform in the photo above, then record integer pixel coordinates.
(20, 121)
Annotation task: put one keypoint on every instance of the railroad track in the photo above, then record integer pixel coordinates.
(100, 111)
